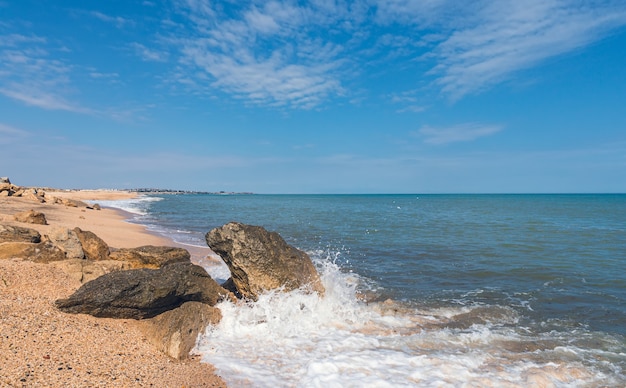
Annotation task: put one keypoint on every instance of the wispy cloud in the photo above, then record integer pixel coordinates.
(9, 134)
(29, 75)
(118, 21)
(507, 36)
(456, 133)
(263, 54)
(147, 54)
(283, 53)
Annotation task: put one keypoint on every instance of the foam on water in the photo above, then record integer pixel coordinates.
(137, 206)
(301, 339)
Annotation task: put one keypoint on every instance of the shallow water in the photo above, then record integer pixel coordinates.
(474, 290)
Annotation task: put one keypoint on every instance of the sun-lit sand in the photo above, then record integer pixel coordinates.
(40, 346)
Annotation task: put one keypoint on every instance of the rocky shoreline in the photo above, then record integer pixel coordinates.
(62, 285)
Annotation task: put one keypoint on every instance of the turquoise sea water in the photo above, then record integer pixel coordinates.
(485, 290)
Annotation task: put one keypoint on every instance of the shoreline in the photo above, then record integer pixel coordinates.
(43, 346)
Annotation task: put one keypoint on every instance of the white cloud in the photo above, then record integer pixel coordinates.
(263, 55)
(8, 134)
(508, 36)
(456, 133)
(149, 55)
(119, 21)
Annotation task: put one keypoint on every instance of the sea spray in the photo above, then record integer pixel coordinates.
(295, 339)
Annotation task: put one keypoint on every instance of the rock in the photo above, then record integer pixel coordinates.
(31, 217)
(19, 192)
(93, 246)
(260, 260)
(88, 270)
(143, 293)
(43, 252)
(18, 234)
(32, 195)
(68, 241)
(151, 256)
(5, 179)
(175, 332)
(74, 203)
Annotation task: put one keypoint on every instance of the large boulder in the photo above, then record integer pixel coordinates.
(43, 252)
(143, 293)
(10, 233)
(68, 241)
(175, 332)
(260, 260)
(93, 246)
(31, 217)
(151, 256)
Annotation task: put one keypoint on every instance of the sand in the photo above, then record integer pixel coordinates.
(43, 347)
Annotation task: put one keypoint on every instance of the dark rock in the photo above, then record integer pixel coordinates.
(31, 217)
(93, 246)
(10, 233)
(175, 332)
(151, 256)
(260, 260)
(143, 293)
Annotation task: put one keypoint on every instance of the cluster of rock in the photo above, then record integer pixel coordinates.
(173, 298)
(7, 189)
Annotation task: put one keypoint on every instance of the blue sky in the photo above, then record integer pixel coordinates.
(363, 96)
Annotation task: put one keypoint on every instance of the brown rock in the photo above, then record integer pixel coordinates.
(93, 246)
(143, 293)
(31, 217)
(74, 203)
(10, 233)
(175, 332)
(151, 256)
(68, 241)
(43, 252)
(260, 260)
(88, 270)
(32, 195)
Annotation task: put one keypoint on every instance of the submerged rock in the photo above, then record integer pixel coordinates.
(151, 256)
(143, 293)
(260, 260)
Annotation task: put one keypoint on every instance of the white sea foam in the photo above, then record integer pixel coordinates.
(137, 206)
(297, 339)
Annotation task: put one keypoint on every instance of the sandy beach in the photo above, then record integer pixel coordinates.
(43, 347)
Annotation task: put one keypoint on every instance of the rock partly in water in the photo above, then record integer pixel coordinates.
(93, 246)
(260, 260)
(31, 217)
(175, 332)
(143, 293)
(68, 241)
(151, 256)
(10, 233)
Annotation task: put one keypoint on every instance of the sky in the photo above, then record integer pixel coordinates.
(319, 96)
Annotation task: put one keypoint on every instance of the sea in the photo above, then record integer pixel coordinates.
(421, 290)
